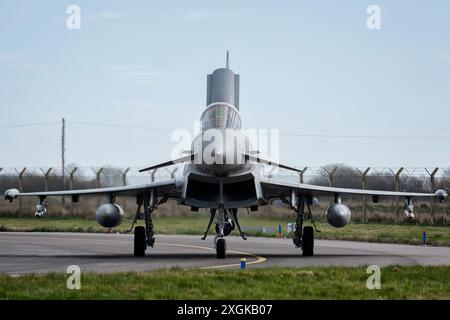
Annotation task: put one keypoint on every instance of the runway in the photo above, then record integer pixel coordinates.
(22, 253)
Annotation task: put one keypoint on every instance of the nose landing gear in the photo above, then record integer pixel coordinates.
(227, 221)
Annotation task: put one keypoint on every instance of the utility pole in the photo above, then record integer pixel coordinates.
(63, 156)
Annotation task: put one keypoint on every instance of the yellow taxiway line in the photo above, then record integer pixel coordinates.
(259, 259)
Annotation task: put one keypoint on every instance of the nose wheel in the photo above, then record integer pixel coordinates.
(221, 248)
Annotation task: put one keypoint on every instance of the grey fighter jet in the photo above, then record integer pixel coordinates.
(222, 173)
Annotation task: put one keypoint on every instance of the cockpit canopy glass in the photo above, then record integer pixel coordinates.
(220, 116)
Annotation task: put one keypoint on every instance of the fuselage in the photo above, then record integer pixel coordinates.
(221, 145)
(220, 176)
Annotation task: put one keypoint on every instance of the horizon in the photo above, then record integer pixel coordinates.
(338, 92)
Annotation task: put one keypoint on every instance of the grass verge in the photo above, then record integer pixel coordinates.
(411, 282)
(195, 225)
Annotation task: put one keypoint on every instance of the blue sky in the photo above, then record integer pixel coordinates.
(307, 67)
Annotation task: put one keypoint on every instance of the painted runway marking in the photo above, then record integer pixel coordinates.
(259, 259)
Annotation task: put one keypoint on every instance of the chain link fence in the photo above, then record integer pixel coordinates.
(395, 179)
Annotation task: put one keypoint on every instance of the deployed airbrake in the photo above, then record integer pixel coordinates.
(222, 173)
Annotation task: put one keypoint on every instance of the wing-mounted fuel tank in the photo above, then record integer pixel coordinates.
(338, 214)
(109, 215)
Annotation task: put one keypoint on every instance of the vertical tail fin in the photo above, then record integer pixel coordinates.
(223, 85)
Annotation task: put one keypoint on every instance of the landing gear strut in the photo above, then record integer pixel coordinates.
(144, 236)
(221, 245)
(211, 220)
(227, 220)
(236, 221)
(303, 237)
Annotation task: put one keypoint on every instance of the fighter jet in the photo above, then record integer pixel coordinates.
(222, 173)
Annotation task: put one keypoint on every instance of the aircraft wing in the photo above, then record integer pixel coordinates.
(275, 189)
(170, 188)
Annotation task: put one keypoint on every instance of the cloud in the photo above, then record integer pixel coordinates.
(203, 15)
(138, 105)
(18, 60)
(141, 74)
(17, 83)
(137, 74)
(445, 56)
(12, 56)
(104, 15)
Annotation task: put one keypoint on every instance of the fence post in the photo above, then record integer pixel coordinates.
(432, 175)
(331, 176)
(21, 173)
(153, 175)
(270, 174)
(71, 185)
(124, 176)
(46, 174)
(98, 182)
(397, 188)
(302, 174)
(71, 177)
(364, 198)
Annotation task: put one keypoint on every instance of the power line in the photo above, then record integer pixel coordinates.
(305, 135)
(33, 124)
(113, 125)
(364, 136)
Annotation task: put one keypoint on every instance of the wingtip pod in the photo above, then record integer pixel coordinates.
(11, 194)
(441, 195)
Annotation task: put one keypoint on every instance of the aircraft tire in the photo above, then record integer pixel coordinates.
(139, 241)
(221, 248)
(308, 241)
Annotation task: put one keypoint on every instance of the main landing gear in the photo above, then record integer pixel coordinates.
(144, 236)
(303, 236)
(227, 221)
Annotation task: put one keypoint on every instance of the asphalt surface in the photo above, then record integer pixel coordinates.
(46, 252)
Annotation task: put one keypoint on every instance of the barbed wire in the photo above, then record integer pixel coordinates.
(266, 170)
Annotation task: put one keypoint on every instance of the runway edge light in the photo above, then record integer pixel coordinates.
(243, 263)
(424, 238)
